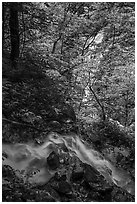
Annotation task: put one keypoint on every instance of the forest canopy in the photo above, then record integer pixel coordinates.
(86, 47)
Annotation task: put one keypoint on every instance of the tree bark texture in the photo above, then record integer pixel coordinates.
(14, 33)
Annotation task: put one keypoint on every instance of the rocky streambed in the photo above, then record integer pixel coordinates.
(65, 169)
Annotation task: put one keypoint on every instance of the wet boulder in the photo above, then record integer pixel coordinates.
(91, 175)
(53, 161)
(64, 187)
(77, 176)
(106, 194)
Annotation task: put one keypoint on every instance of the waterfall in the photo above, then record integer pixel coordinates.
(28, 158)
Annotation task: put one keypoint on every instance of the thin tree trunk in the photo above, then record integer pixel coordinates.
(101, 106)
(54, 45)
(83, 93)
(126, 108)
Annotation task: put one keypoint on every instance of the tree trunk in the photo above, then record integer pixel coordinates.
(3, 25)
(54, 45)
(14, 33)
(126, 108)
(101, 106)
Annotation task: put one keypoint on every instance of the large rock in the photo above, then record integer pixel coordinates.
(53, 161)
(77, 176)
(91, 175)
(63, 187)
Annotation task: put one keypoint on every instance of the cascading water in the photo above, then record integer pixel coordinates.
(28, 158)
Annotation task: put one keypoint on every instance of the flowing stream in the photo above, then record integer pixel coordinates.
(27, 158)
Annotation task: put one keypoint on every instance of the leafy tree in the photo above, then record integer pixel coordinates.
(81, 45)
(108, 55)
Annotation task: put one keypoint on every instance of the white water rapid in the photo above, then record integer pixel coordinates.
(28, 158)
